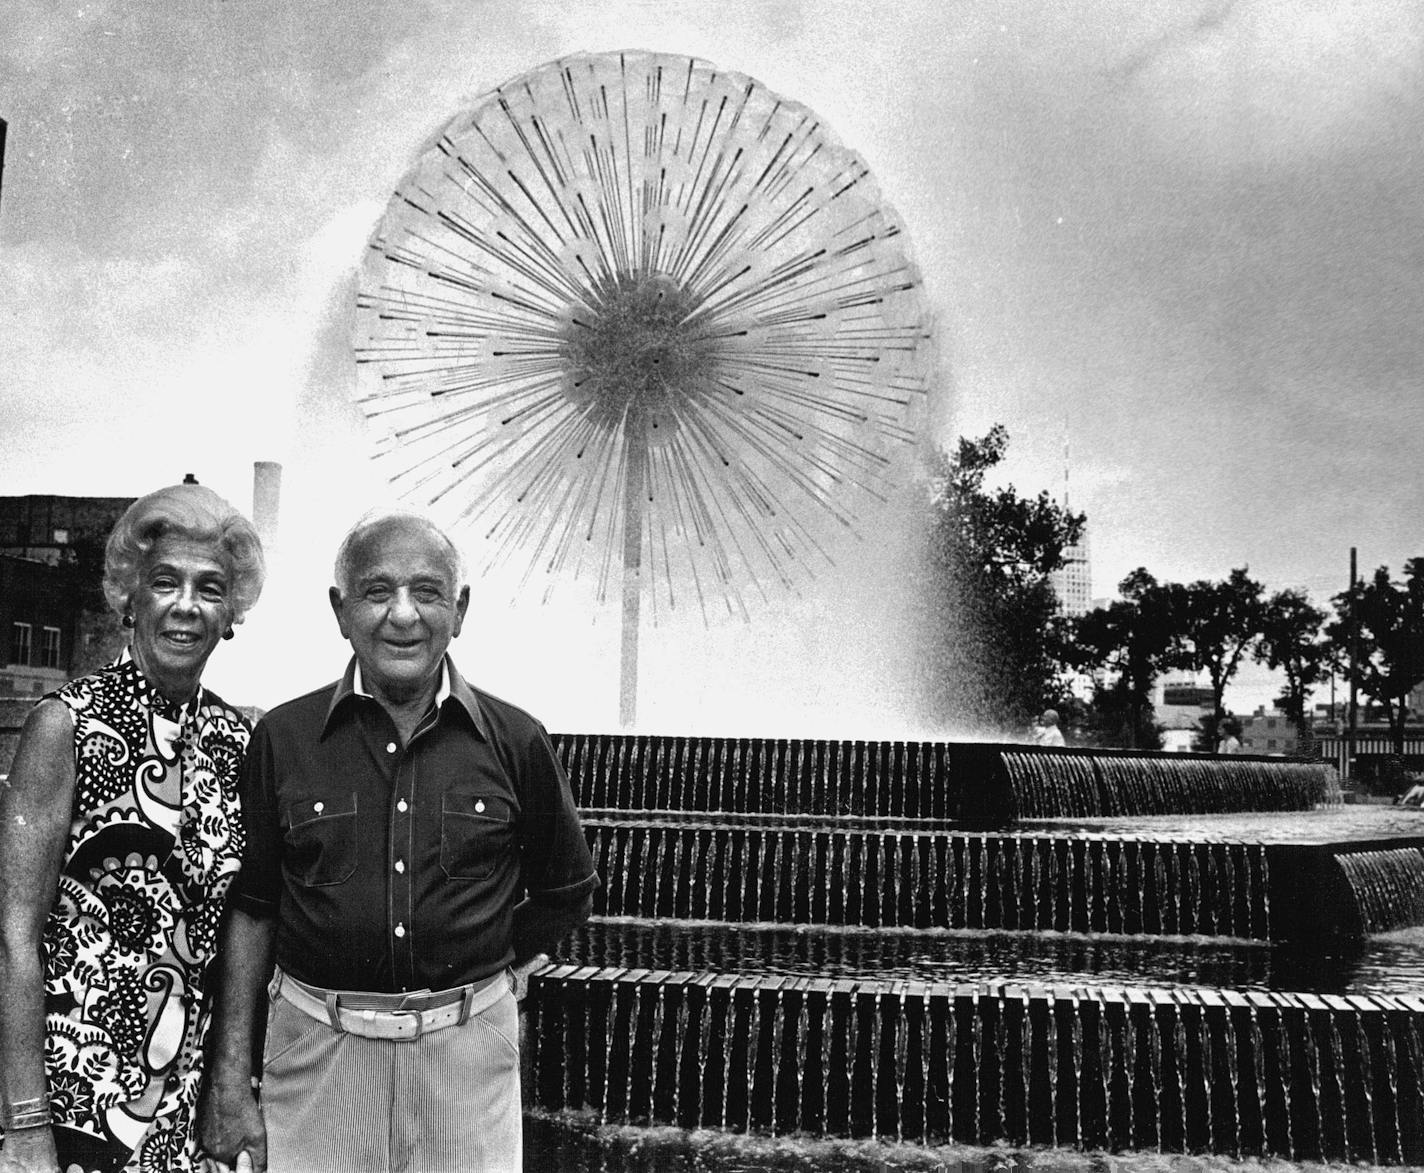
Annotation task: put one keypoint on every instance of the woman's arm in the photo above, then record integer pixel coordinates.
(35, 809)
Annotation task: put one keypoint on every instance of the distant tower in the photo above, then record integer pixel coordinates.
(4, 126)
(1073, 582)
(266, 499)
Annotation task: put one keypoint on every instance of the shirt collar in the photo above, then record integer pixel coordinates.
(358, 683)
(149, 696)
(452, 688)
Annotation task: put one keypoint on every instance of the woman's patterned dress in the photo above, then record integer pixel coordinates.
(154, 842)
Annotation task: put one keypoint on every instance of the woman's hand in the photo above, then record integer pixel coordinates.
(29, 1150)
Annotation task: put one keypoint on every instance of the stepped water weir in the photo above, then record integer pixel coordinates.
(987, 944)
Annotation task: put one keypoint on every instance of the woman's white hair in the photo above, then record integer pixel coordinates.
(381, 519)
(197, 514)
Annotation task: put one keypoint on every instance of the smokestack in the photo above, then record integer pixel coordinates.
(4, 126)
(266, 499)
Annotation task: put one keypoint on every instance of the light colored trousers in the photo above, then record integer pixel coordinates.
(447, 1102)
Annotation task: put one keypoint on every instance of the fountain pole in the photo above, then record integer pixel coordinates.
(634, 490)
(1354, 660)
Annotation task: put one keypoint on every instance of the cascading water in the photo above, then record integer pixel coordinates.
(1388, 885)
(877, 940)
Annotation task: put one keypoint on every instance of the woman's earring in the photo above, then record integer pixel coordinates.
(128, 619)
(227, 634)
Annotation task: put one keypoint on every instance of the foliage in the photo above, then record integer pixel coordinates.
(83, 574)
(996, 632)
(998, 646)
(97, 635)
(1216, 623)
(1203, 626)
(1291, 642)
(1388, 620)
(1123, 647)
(1118, 716)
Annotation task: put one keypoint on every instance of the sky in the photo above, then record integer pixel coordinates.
(1181, 243)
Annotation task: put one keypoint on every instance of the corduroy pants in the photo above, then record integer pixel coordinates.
(447, 1102)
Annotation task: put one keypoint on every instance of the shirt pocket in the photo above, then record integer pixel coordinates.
(321, 840)
(475, 832)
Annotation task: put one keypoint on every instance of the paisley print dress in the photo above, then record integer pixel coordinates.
(153, 845)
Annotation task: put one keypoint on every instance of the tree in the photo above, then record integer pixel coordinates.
(1124, 647)
(1389, 617)
(995, 631)
(95, 635)
(1216, 623)
(1291, 643)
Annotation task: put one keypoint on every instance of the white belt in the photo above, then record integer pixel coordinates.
(403, 1023)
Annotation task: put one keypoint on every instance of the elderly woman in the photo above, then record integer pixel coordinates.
(119, 836)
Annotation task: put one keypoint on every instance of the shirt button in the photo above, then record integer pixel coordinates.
(479, 804)
(318, 807)
(390, 747)
(400, 866)
(400, 930)
(401, 806)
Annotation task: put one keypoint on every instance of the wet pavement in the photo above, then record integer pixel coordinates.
(1388, 963)
(1329, 824)
(575, 1143)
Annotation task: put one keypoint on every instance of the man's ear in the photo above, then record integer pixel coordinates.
(334, 597)
(461, 604)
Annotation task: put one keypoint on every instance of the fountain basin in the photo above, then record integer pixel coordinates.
(1052, 878)
(1297, 1075)
(983, 783)
(874, 940)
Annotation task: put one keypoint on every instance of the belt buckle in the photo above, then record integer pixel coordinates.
(419, 1017)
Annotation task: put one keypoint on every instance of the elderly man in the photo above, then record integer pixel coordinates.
(411, 841)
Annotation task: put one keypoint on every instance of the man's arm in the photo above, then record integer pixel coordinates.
(544, 919)
(558, 869)
(229, 1118)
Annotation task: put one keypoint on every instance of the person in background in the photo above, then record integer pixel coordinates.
(412, 843)
(119, 838)
(1414, 796)
(1230, 739)
(1046, 730)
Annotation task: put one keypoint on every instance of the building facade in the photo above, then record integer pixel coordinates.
(1073, 581)
(39, 622)
(1269, 731)
(53, 529)
(52, 615)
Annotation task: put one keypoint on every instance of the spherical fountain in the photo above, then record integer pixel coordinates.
(636, 321)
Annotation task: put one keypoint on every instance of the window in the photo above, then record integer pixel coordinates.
(1271, 744)
(1270, 722)
(20, 643)
(49, 648)
(61, 537)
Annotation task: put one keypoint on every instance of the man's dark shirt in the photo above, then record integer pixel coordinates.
(396, 869)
